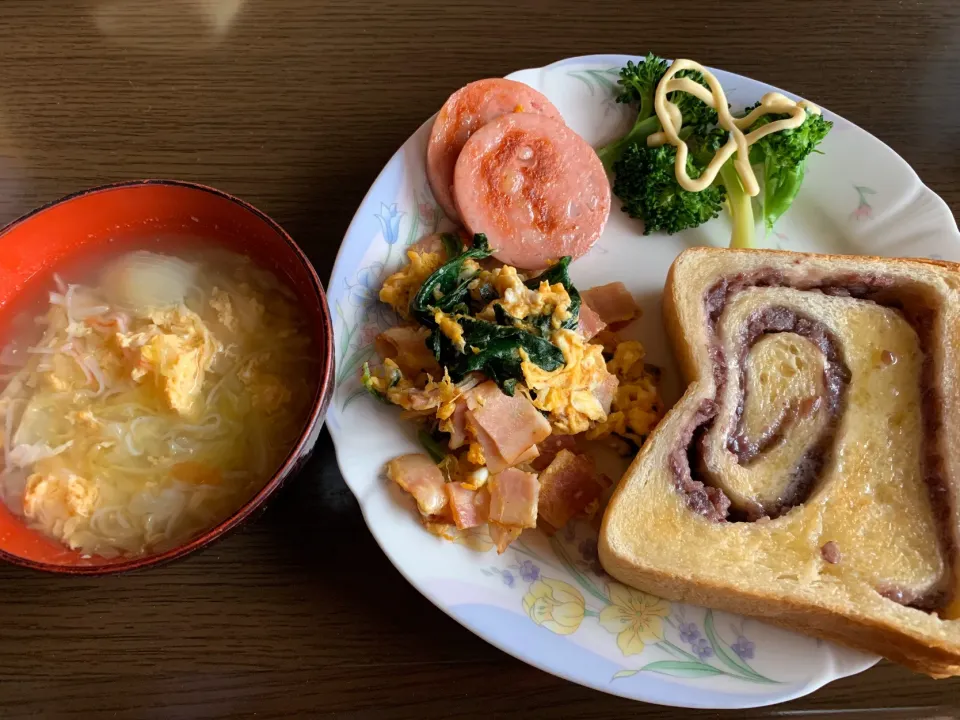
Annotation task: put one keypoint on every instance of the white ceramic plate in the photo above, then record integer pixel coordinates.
(547, 601)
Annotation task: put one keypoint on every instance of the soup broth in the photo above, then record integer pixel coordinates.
(147, 399)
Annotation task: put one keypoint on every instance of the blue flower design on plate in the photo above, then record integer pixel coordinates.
(743, 648)
(389, 217)
(689, 633)
(364, 293)
(702, 648)
(528, 571)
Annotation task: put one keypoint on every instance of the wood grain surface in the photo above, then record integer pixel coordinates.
(295, 105)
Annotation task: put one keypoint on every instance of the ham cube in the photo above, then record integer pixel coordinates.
(550, 447)
(529, 456)
(606, 391)
(612, 302)
(590, 322)
(419, 475)
(510, 425)
(469, 508)
(514, 495)
(491, 455)
(502, 536)
(458, 421)
(407, 347)
(567, 486)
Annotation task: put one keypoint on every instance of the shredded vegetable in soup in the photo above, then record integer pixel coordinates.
(152, 402)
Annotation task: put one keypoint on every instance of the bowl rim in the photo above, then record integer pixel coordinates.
(298, 453)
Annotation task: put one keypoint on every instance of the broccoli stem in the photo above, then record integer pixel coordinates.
(638, 134)
(740, 205)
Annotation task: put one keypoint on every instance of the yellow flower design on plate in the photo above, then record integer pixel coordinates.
(635, 617)
(555, 605)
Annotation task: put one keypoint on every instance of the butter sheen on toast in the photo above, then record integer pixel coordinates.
(809, 473)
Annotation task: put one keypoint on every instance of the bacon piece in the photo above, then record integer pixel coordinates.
(494, 461)
(528, 457)
(407, 347)
(513, 498)
(441, 529)
(512, 424)
(491, 456)
(612, 302)
(469, 508)
(502, 536)
(606, 391)
(550, 447)
(590, 322)
(567, 487)
(458, 424)
(418, 475)
(609, 339)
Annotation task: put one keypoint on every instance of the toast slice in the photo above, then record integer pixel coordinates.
(809, 475)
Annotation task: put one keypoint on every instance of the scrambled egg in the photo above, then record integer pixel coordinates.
(435, 396)
(69, 369)
(568, 393)
(176, 350)
(400, 288)
(475, 455)
(249, 309)
(637, 407)
(440, 394)
(520, 301)
(85, 418)
(573, 397)
(385, 378)
(177, 369)
(72, 496)
(267, 392)
(220, 301)
(172, 346)
(451, 328)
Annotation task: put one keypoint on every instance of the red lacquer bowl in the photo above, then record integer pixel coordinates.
(134, 215)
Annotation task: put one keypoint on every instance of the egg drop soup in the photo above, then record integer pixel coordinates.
(146, 400)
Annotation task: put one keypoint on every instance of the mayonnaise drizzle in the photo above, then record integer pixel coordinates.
(671, 120)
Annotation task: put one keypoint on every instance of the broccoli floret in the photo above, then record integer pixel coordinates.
(638, 82)
(647, 185)
(692, 108)
(645, 177)
(638, 86)
(784, 158)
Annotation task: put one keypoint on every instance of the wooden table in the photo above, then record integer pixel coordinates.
(295, 105)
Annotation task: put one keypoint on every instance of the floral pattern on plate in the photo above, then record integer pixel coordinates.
(637, 621)
(355, 331)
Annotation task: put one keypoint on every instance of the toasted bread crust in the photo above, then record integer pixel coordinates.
(910, 637)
